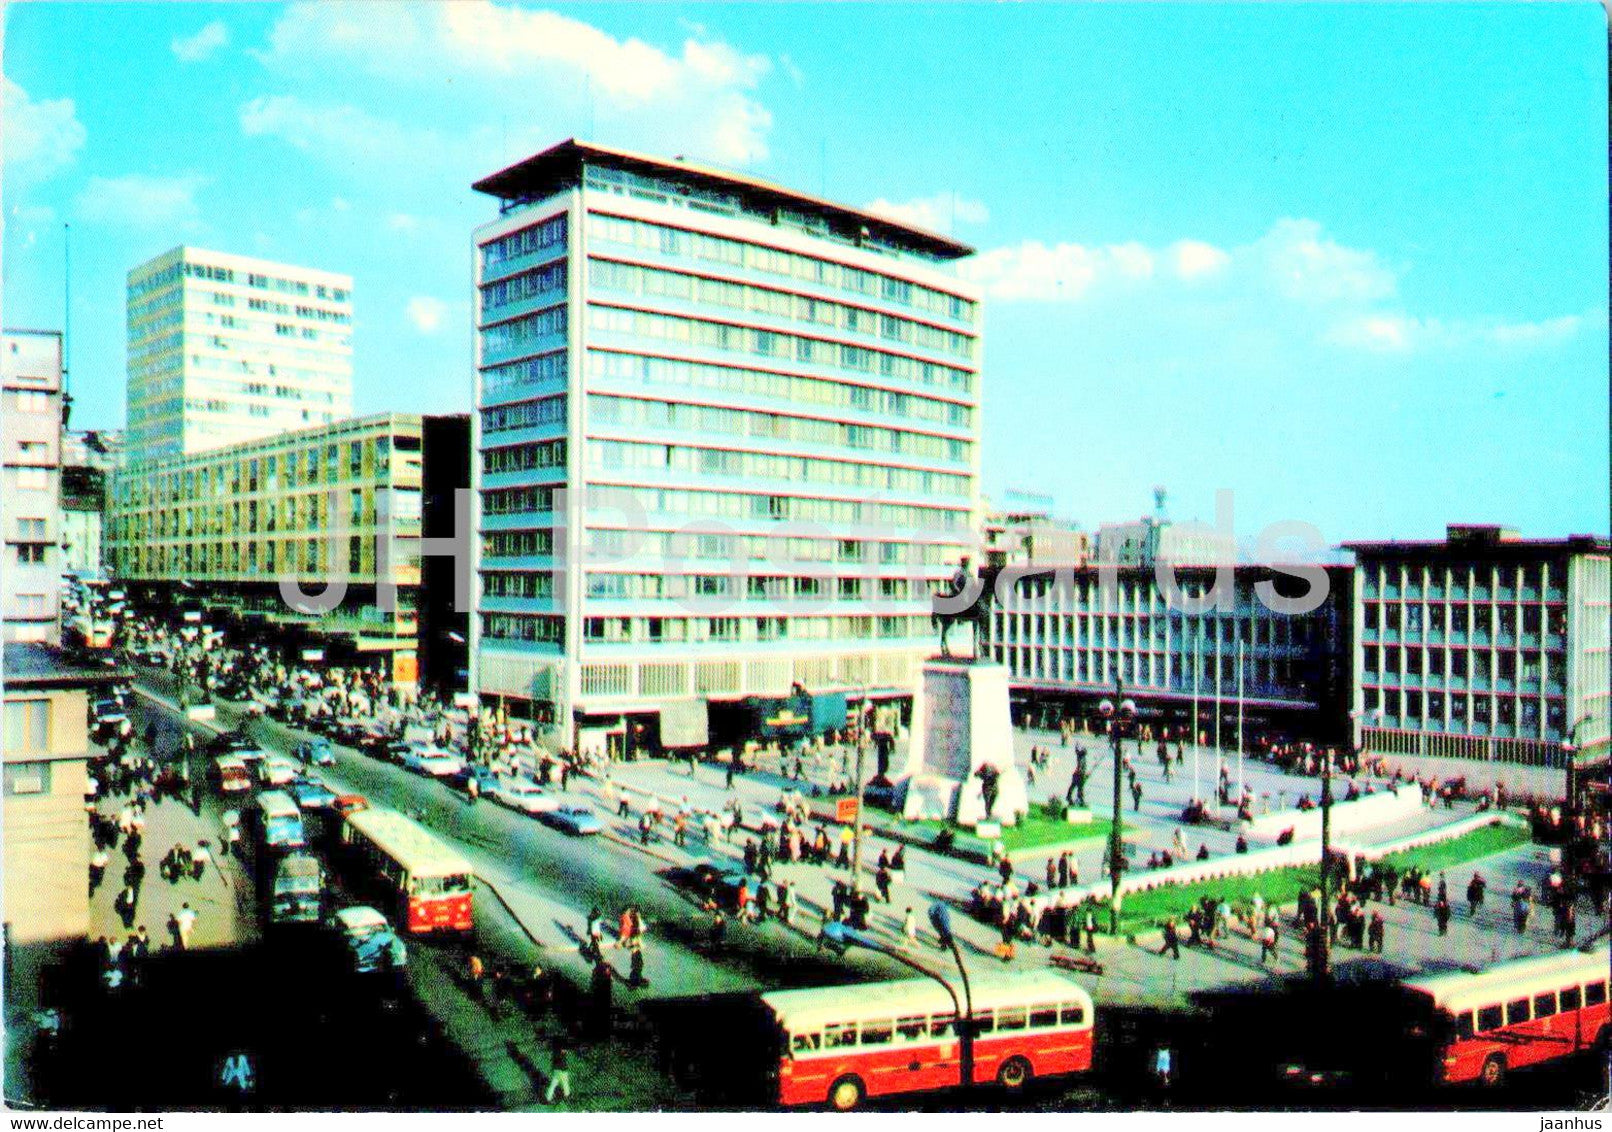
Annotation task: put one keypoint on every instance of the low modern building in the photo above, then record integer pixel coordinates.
(1483, 645)
(760, 411)
(1068, 634)
(31, 484)
(225, 348)
(1020, 538)
(219, 529)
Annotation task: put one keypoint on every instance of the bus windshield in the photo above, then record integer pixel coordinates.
(439, 886)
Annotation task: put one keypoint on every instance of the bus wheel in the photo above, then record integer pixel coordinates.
(846, 1094)
(1014, 1074)
(1494, 1071)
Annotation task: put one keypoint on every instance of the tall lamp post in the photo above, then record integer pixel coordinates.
(1570, 806)
(1120, 715)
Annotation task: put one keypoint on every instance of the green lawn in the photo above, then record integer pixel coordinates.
(1038, 830)
(1143, 910)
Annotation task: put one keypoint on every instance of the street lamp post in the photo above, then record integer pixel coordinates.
(1570, 805)
(1119, 713)
(856, 829)
(842, 936)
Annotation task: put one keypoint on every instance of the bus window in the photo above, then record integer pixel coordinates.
(1010, 1018)
(1463, 1025)
(1043, 1016)
(1072, 1014)
(984, 1022)
(805, 1043)
(1545, 1004)
(1594, 994)
(1516, 1012)
(439, 886)
(876, 1033)
(940, 1026)
(1490, 1018)
(1570, 999)
(910, 1029)
(839, 1035)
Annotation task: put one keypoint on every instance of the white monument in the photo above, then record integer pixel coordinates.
(961, 725)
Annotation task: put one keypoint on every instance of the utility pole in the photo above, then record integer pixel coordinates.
(856, 840)
(1324, 918)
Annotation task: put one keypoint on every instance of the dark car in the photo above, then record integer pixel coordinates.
(391, 751)
(716, 882)
(486, 778)
(311, 794)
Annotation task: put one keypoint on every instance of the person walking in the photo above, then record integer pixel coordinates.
(1474, 893)
(909, 930)
(184, 925)
(1267, 941)
(1136, 793)
(1521, 904)
(1090, 925)
(559, 1071)
(1374, 933)
(1172, 940)
(1441, 913)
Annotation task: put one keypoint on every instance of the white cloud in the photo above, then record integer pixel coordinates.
(40, 138)
(334, 131)
(1306, 266)
(939, 213)
(195, 48)
(426, 313)
(490, 65)
(340, 204)
(141, 201)
(1194, 258)
(402, 222)
(1536, 333)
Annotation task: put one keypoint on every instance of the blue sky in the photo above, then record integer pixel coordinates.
(1346, 261)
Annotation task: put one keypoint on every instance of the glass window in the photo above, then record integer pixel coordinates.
(910, 1029)
(1490, 1018)
(27, 725)
(984, 1022)
(1545, 1004)
(839, 1035)
(940, 1026)
(1043, 1016)
(1463, 1025)
(1517, 1012)
(1570, 999)
(1072, 1014)
(805, 1043)
(1594, 993)
(876, 1033)
(1010, 1018)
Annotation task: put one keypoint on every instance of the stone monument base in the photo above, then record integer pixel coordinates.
(928, 797)
(965, 726)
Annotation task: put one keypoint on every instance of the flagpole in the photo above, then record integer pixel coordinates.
(1239, 713)
(1220, 753)
(1197, 678)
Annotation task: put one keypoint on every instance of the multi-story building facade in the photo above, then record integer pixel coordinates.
(772, 403)
(226, 348)
(88, 460)
(31, 484)
(1068, 634)
(1483, 645)
(224, 526)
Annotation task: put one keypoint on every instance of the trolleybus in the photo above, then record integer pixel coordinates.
(426, 881)
(837, 1045)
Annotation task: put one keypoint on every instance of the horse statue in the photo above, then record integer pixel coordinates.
(977, 614)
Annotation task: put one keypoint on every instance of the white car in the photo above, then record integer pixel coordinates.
(276, 770)
(527, 797)
(433, 761)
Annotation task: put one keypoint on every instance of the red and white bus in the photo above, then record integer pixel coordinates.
(428, 882)
(840, 1044)
(1512, 1015)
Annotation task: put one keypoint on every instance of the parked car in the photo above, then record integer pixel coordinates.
(368, 941)
(432, 761)
(486, 778)
(579, 821)
(276, 770)
(349, 803)
(108, 713)
(311, 794)
(315, 751)
(390, 750)
(719, 883)
(527, 797)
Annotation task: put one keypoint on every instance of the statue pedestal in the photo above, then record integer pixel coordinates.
(965, 726)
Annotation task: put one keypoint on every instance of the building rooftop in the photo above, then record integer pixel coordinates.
(560, 167)
(33, 666)
(1465, 539)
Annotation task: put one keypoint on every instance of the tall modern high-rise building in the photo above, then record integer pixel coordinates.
(225, 348)
(763, 411)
